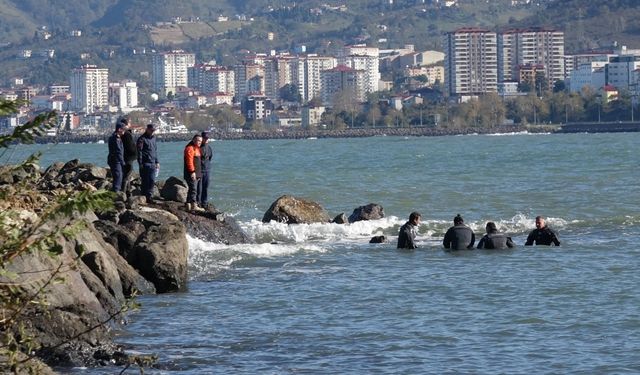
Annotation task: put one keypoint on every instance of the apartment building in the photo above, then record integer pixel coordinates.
(279, 71)
(124, 95)
(531, 47)
(208, 78)
(170, 70)
(343, 80)
(471, 63)
(249, 79)
(89, 89)
(362, 57)
(306, 70)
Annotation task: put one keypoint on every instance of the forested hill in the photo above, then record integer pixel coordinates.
(112, 29)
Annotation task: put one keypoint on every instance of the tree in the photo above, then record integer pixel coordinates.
(40, 235)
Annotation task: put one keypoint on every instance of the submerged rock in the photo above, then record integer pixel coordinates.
(292, 210)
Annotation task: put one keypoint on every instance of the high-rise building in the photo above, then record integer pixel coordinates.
(531, 46)
(306, 73)
(278, 73)
(208, 79)
(170, 70)
(89, 88)
(361, 57)
(343, 80)
(124, 95)
(249, 79)
(471, 63)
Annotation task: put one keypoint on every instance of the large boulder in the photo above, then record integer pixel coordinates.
(73, 307)
(174, 189)
(371, 211)
(292, 210)
(162, 249)
(122, 241)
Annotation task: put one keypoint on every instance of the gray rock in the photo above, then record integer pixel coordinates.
(340, 219)
(371, 211)
(161, 251)
(174, 189)
(92, 173)
(293, 210)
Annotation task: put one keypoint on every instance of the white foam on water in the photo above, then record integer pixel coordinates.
(317, 232)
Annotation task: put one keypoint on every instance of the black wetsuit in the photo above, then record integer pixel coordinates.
(542, 236)
(459, 237)
(407, 236)
(495, 241)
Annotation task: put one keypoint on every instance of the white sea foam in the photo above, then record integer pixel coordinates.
(323, 232)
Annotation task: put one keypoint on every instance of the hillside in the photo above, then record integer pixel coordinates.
(113, 29)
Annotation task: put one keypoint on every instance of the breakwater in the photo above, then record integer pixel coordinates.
(600, 127)
(303, 134)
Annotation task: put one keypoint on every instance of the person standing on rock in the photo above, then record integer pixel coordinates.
(459, 236)
(115, 159)
(148, 161)
(206, 154)
(407, 235)
(130, 154)
(193, 171)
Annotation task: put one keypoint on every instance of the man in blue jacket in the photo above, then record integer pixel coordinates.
(206, 154)
(148, 161)
(115, 159)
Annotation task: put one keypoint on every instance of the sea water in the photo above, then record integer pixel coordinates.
(318, 298)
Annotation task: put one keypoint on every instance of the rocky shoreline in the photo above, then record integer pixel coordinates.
(132, 249)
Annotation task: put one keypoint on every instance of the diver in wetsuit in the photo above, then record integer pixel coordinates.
(459, 236)
(407, 235)
(494, 239)
(542, 235)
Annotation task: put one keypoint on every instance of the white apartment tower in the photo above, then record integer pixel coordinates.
(534, 46)
(170, 70)
(306, 73)
(124, 95)
(89, 88)
(361, 57)
(471, 62)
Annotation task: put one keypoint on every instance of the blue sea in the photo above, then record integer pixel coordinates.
(319, 299)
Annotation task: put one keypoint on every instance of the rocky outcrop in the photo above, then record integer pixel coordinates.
(160, 252)
(210, 225)
(371, 211)
(134, 248)
(293, 210)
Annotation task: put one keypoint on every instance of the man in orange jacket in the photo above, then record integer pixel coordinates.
(193, 171)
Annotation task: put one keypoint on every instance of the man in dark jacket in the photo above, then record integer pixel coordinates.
(407, 235)
(459, 236)
(148, 161)
(206, 154)
(494, 239)
(115, 159)
(542, 235)
(130, 154)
